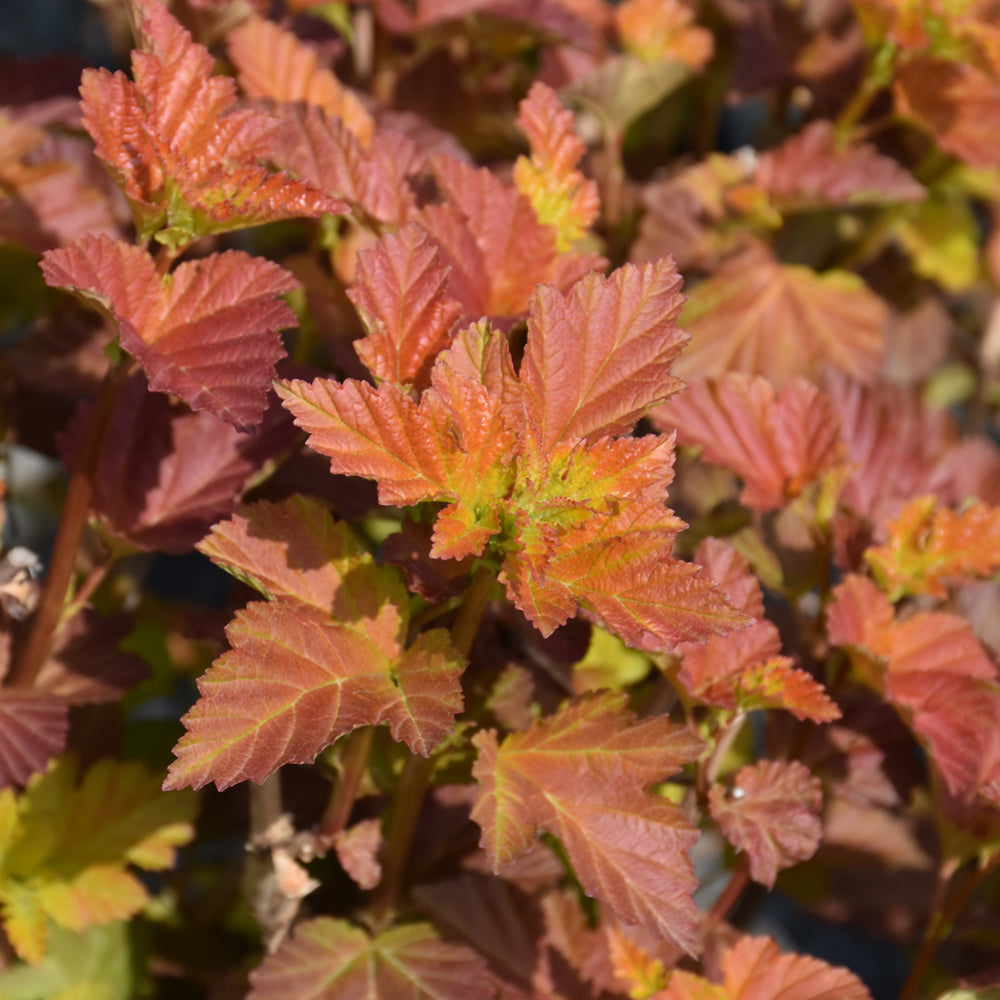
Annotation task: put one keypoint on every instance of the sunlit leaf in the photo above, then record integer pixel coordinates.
(657, 30)
(582, 774)
(208, 332)
(777, 443)
(754, 969)
(175, 143)
(295, 680)
(931, 546)
(772, 813)
(273, 63)
(759, 316)
(560, 195)
(67, 857)
(400, 293)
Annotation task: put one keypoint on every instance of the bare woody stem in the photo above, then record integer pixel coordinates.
(71, 524)
(404, 810)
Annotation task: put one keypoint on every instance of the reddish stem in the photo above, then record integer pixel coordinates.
(730, 896)
(352, 772)
(71, 525)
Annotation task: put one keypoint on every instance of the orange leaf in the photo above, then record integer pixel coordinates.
(582, 774)
(560, 195)
(931, 546)
(777, 443)
(208, 332)
(758, 316)
(275, 64)
(400, 294)
(772, 813)
(173, 141)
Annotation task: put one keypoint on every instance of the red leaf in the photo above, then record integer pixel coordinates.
(174, 131)
(901, 448)
(776, 443)
(400, 293)
(958, 103)
(33, 729)
(582, 775)
(502, 241)
(326, 153)
(812, 170)
(598, 358)
(743, 670)
(275, 64)
(772, 813)
(207, 333)
(758, 316)
(754, 969)
(933, 668)
(165, 475)
(328, 958)
(295, 680)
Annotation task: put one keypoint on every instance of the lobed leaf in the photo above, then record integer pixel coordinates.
(173, 141)
(662, 30)
(165, 475)
(327, 153)
(273, 63)
(754, 969)
(400, 294)
(772, 813)
(67, 847)
(582, 775)
(598, 358)
(331, 958)
(295, 680)
(560, 195)
(761, 317)
(207, 333)
(812, 169)
(931, 546)
(777, 443)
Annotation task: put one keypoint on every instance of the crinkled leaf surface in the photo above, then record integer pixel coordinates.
(273, 63)
(174, 142)
(208, 332)
(333, 960)
(933, 669)
(560, 195)
(401, 296)
(931, 546)
(324, 151)
(759, 316)
(323, 657)
(777, 443)
(811, 170)
(583, 775)
(743, 670)
(67, 847)
(754, 969)
(772, 813)
(531, 464)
